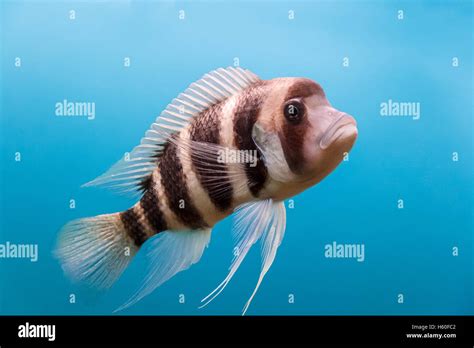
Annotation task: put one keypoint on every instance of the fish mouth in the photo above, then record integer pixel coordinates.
(344, 124)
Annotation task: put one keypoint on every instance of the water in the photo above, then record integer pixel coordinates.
(408, 251)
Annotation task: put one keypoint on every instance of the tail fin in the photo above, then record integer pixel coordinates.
(95, 250)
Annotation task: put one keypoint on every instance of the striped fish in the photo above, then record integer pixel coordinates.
(231, 143)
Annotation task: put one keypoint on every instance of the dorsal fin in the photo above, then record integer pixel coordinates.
(129, 174)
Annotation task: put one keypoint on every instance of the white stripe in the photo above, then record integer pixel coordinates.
(138, 209)
(240, 190)
(172, 222)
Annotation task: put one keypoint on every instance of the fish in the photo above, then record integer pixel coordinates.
(230, 144)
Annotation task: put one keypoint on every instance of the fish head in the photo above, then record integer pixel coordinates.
(301, 136)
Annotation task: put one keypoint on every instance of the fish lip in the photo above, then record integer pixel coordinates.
(342, 121)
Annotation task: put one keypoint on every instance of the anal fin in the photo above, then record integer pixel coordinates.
(167, 254)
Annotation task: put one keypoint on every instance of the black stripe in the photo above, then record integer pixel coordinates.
(206, 128)
(131, 222)
(304, 88)
(151, 210)
(145, 184)
(245, 116)
(174, 183)
(292, 136)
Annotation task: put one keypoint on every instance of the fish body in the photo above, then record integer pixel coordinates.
(231, 143)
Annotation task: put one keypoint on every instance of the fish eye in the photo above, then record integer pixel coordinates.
(294, 111)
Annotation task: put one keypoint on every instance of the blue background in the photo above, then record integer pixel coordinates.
(407, 251)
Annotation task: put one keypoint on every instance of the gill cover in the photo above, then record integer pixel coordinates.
(269, 145)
